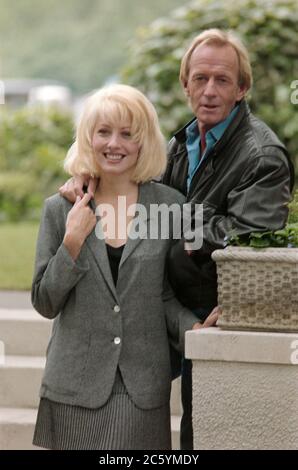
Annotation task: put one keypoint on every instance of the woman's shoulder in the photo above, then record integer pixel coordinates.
(166, 194)
(57, 203)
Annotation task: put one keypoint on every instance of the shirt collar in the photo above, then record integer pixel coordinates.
(192, 131)
(218, 130)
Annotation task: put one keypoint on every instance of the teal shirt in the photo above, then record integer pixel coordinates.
(193, 140)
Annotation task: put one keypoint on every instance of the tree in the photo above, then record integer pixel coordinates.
(269, 30)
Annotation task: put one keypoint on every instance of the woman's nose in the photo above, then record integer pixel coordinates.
(114, 140)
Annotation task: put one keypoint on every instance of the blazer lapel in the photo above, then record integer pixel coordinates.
(96, 244)
(139, 231)
(139, 227)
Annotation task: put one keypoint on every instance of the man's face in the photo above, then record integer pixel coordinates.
(212, 85)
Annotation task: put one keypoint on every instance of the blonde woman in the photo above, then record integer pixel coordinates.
(107, 379)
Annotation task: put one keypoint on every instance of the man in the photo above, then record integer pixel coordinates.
(230, 162)
(227, 160)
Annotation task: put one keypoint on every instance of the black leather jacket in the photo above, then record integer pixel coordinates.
(244, 185)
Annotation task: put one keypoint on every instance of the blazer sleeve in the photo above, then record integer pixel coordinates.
(179, 319)
(56, 273)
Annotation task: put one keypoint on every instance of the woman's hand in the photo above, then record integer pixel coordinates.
(210, 320)
(79, 224)
(74, 187)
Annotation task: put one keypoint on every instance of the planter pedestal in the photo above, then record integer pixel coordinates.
(245, 389)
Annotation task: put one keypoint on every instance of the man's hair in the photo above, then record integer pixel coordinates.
(216, 37)
(125, 106)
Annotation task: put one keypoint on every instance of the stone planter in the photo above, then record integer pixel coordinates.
(258, 288)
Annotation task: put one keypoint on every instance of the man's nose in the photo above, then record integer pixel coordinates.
(210, 87)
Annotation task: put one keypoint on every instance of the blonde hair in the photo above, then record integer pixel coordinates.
(219, 38)
(118, 104)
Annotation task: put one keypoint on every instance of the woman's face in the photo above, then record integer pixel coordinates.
(115, 151)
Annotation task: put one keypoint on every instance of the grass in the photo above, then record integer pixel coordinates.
(17, 251)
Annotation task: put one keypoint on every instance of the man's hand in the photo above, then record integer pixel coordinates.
(79, 223)
(210, 320)
(74, 187)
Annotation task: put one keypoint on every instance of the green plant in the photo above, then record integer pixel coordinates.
(286, 237)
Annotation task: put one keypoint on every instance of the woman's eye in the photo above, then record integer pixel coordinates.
(126, 134)
(102, 131)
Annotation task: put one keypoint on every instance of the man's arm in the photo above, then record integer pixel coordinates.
(74, 187)
(257, 203)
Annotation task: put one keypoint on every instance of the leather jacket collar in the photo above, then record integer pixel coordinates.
(244, 110)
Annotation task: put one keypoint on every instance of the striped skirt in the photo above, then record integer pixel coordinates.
(118, 425)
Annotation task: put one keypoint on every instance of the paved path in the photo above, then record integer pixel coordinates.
(15, 299)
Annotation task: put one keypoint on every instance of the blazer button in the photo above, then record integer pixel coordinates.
(117, 340)
(117, 309)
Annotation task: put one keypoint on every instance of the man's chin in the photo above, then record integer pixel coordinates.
(208, 121)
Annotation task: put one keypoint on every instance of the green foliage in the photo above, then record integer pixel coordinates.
(293, 210)
(33, 144)
(82, 43)
(286, 237)
(267, 27)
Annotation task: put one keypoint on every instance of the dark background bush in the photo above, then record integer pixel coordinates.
(269, 30)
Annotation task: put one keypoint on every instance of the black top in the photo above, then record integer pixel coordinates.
(114, 255)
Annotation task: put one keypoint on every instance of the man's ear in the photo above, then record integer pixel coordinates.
(185, 88)
(241, 93)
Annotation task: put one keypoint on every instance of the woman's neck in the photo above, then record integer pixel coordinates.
(117, 220)
(111, 188)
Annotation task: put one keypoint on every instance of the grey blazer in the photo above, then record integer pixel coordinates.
(99, 327)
